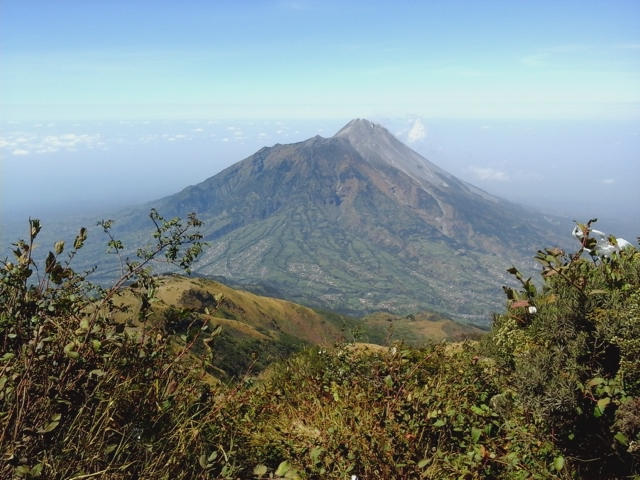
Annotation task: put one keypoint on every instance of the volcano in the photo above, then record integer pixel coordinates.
(359, 222)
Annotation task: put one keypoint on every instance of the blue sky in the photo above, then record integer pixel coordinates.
(538, 102)
(273, 59)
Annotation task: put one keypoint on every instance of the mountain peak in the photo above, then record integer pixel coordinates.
(359, 126)
(381, 149)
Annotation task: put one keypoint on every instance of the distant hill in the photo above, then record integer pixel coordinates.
(416, 329)
(358, 223)
(258, 330)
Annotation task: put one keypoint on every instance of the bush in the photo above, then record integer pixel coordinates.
(569, 352)
(81, 394)
(552, 392)
(393, 413)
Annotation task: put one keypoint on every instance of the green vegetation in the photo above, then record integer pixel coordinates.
(122, 383)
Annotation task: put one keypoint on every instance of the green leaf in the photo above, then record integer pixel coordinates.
(7, 356)
(315, 454)
(260, 470)
(558, 463)
(424, 462)
(22, 471)
(475, 434)
(69, 352)
(477, 410)
(55, 420)
(595, 381)
(50, 262)
(621, 437)
(283, 468)
(36, 471)
(440, 423)
(598, 411)
(59, 247)
(80, 239)
(388, 381)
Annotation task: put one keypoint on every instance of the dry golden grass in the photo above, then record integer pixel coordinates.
(418, 329)
(250, 312)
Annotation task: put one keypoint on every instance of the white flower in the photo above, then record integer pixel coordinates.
(533, 310)
(604, 248)
(622, 243)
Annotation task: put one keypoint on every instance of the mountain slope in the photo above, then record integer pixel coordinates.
(358, 222)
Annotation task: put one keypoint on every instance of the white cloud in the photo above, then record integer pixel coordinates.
(51, 143)
(488, 173)
(417, 132)
(20, 152)
(46, 150)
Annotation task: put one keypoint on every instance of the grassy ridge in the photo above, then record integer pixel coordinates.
(258, 330)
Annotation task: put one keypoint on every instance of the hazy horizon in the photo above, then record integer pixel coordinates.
(94, 167)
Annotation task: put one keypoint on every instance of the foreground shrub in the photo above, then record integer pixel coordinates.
(82, 395)
(552, 392)
(570, 353)
(398, 413)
